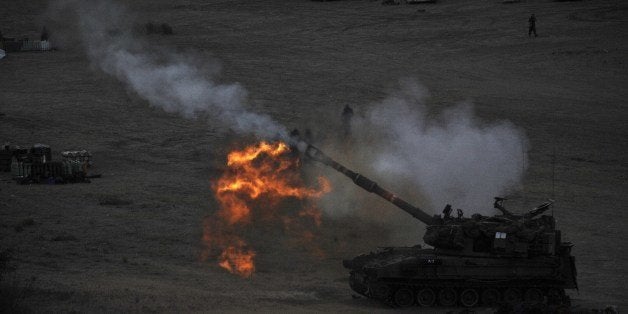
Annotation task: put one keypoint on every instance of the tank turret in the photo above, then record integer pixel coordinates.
(508, 258)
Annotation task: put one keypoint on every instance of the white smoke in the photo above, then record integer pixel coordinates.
(450, 157)
(172, 82)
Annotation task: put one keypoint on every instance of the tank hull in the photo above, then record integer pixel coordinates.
(452, 279)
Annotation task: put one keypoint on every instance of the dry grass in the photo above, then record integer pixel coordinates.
(130, 241)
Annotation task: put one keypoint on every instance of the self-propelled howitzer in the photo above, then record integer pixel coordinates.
(488, 260)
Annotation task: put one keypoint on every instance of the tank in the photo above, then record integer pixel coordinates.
(479, 260)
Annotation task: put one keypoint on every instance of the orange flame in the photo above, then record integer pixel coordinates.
(257, 180)
(237, 261)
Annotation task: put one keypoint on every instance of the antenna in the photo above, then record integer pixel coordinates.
(553, 171)
(523, 159)
(523, 170)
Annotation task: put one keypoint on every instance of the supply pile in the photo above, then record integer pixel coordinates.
(35, 165)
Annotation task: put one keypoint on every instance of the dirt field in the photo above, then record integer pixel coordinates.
(130, 241)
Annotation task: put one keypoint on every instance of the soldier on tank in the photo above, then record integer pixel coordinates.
(532, 25)
(447, 212)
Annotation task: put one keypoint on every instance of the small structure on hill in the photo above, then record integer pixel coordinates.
(390, 2)
(419, 1)
(163, 29)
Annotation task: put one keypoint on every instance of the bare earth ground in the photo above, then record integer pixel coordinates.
(302, 62)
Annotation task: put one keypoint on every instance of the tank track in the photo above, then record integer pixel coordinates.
(466, 294)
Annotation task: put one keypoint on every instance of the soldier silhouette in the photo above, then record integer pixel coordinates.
(532, 25)
(347, 114)
(44, 34)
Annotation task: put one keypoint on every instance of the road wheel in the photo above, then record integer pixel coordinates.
(379, 291)
(555, 296)
(447, 297)
(469, 298)
(490, 296)
(533, 296)
(357, 285)
(512, 296)
(426, 297)
(404, 297)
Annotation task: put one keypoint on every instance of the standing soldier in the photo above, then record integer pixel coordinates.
(44, 34)
(532, 25)
(347, 114)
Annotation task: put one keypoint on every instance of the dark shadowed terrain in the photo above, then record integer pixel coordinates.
(130, 241)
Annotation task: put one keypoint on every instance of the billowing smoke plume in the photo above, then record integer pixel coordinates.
(433, 159)
(169, 81)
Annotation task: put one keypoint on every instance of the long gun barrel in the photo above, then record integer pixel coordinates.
(367, 184)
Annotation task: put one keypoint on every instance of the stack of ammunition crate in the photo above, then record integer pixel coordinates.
(19, 157)
(5, 158)
(25, 44)
(35, 45)
(81, 156)
(35, 165)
